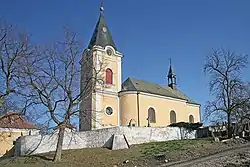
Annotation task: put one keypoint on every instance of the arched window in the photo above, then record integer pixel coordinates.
(151, 115)
(191, 118)
(172, 117)
(109, 76)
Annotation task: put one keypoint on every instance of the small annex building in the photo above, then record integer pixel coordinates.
(12, 126)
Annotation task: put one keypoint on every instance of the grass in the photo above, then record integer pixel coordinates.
(159, 148)
(139, 155)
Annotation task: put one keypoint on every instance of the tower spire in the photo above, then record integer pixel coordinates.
(101, 35)
(171, 76)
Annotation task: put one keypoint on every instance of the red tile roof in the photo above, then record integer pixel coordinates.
(15, 120)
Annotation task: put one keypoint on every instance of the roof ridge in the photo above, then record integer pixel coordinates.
(154, 88)
(143, 81)
(149, 82)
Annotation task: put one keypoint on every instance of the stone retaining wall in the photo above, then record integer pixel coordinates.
(99, 138)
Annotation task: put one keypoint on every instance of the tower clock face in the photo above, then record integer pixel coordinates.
(104, 29)
(109, 52)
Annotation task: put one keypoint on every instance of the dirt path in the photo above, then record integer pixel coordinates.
(195, 162)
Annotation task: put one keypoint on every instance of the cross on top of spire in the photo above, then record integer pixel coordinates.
(101, 7)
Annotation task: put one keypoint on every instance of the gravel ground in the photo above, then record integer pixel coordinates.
(238, 155)
(234, 160)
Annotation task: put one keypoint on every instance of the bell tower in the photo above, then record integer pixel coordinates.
(101, 63)
(171, 77)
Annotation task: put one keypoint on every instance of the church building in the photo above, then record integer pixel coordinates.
(134, 102)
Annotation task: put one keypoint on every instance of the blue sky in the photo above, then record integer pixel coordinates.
(148, 31)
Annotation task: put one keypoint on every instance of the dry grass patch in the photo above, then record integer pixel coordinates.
(149, 154)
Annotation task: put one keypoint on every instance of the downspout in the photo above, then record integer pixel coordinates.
(138, 109)
(119, 109)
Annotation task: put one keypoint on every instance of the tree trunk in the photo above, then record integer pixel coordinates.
(58, 154)
(229, 130)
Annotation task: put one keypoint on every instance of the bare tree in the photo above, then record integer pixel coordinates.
(53, 77)
(224, 69)
(241, 115)
(8, 105)
(13, 46)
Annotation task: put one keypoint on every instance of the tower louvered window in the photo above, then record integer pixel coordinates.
(109, 76)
